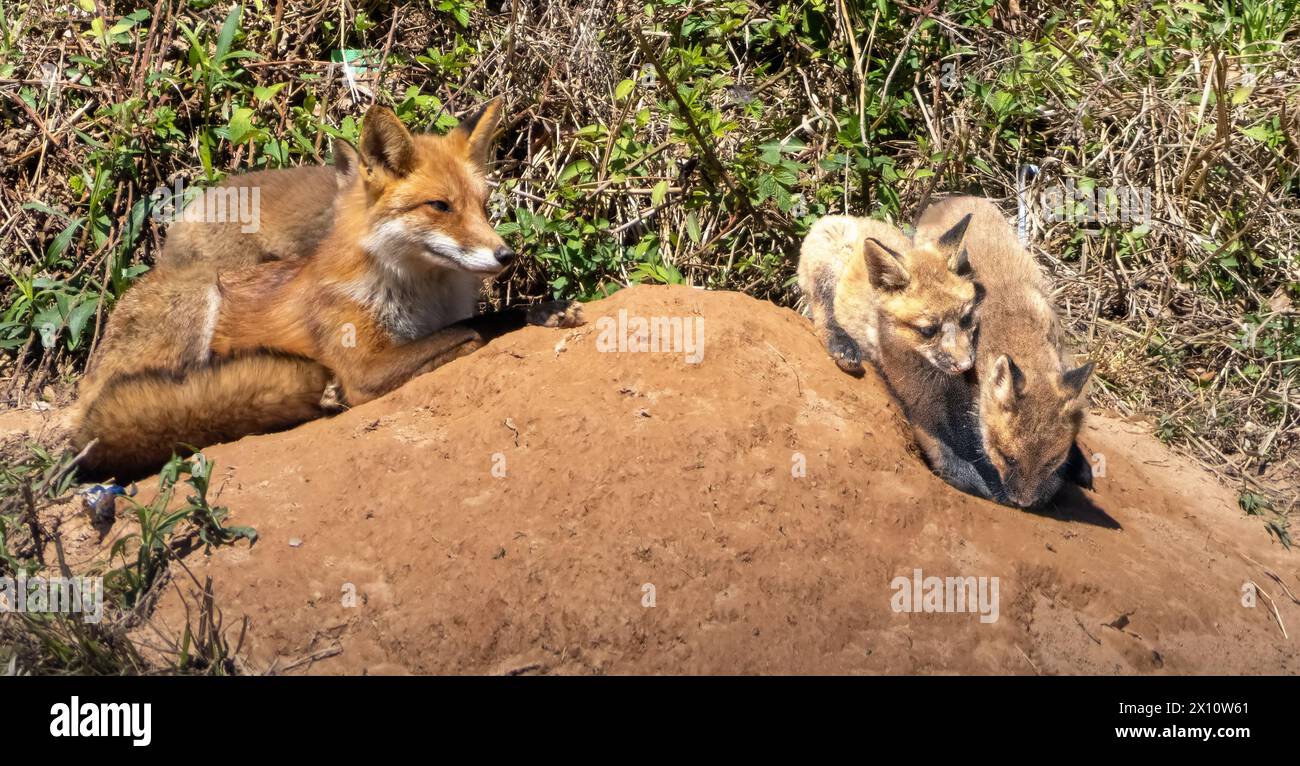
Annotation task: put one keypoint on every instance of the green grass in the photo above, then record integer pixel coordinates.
(139, 565)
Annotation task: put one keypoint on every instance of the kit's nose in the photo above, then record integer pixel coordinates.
(504, 255)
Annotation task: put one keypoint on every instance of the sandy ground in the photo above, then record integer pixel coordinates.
(543, 507)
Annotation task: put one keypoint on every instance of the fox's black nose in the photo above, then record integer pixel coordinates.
(504, 255)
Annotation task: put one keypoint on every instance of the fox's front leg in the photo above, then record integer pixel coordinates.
(952, 468)
(365, 376)
(844, 350)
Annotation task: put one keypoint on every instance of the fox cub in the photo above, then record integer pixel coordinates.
(234, 339)
(1030, 399)
(910, 309)
(862, 279)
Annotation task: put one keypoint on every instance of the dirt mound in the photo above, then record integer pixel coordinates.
(520, 510)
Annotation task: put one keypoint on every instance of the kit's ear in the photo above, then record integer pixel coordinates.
(959, 263)
(1074, 380)
(884, 265)
(951, 239)
(1007, 380)
(952, 244)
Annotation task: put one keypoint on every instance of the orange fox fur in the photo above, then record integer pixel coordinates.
(197, 353)
(868, 281)
(295, 212)
(862, 278)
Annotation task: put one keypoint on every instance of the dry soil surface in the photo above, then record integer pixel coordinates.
(546, 507)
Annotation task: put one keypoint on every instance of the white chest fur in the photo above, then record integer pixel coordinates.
(411, 308)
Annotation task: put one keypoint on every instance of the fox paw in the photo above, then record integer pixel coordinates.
(846, 353)
(556, 314)
(332, 400)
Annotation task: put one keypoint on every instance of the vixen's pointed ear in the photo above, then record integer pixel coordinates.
(386, 144)
(884, 266)
(479, 129)
(346, 162)
(1074, 380)
(1007, 381)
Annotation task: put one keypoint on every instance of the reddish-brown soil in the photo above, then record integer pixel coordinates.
(628, 470)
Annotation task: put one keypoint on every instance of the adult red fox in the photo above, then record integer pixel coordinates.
(198, 353)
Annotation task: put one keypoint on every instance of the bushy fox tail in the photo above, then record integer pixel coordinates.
(141, 419)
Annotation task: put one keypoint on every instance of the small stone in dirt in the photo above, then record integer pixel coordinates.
(1120, 622)
(295, 542)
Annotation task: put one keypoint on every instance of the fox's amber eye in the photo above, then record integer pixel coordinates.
(928, 331)
(439, 205)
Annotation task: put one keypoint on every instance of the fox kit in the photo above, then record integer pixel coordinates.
(909, 307)
(1031, 402)
(863, 278)
(192, 356)
(291, 212)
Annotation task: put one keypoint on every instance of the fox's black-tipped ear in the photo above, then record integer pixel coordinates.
(1007, 380)
(480, 129)
(952, 238)
(346, 162)
(884, 266)
(386, 144)
(1074, 380)
(959, 263)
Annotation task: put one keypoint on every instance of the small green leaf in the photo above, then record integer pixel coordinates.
(60, 243)
(658, 194)
(228, 30)
(1261, 133)
(574, 168)
(241, 126)
(78, 318)
(265, 93)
